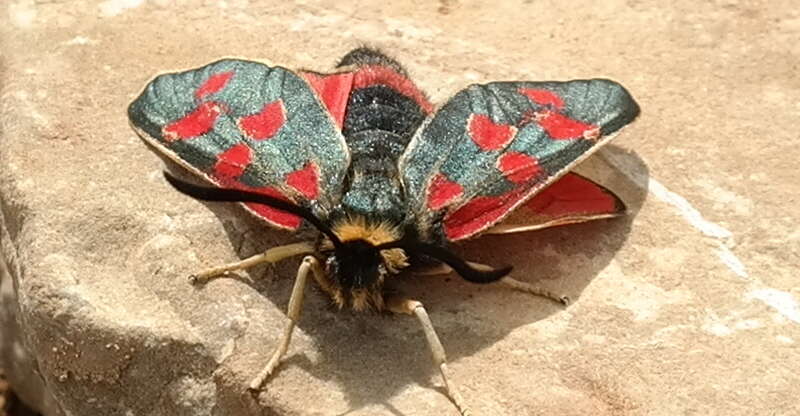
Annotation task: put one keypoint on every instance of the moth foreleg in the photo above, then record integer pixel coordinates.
(293, 313)
(413, 307)
(272, 255)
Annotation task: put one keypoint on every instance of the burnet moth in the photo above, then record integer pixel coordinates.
(389, 181)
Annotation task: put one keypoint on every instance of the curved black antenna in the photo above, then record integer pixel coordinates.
(236, 195)
(460, 266)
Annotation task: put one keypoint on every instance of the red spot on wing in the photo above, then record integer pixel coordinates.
(478, 214)
(271, 215)
(561, 127)
(266, 123)
(573, 195)
(442, 191)
(369, 75)
(487, 134)
(305, 181)
(333, 90)
(232, 162)
(213, 84)
(281, 218)
(518, 167)
(198, 122)
(543, 97)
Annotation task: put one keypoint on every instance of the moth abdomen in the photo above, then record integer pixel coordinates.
(382, 115)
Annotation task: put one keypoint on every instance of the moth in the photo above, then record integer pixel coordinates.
(389, 181)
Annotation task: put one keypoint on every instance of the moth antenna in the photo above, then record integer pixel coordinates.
(460, 266)
(205, 193)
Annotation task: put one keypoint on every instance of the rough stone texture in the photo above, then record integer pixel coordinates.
(688, 306)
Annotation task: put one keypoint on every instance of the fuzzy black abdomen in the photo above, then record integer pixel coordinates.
(381, 108)
(378, 125)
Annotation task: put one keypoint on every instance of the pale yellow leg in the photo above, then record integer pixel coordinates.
(413, 307)
(505, 281)
(439, 269)
(272, 255)
(293, 313)
(533, 290)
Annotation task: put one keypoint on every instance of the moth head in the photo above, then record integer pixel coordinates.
(357, 264)
(356, 268)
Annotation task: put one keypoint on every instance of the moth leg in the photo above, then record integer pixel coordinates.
(526, 287)
(436, 270)
(533, 289)
(293, 313)
(505, 281)
(272, 255)
(412, 307)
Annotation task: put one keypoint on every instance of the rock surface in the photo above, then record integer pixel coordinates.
(687, 306)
